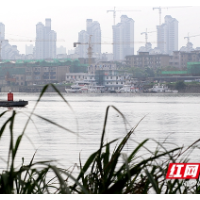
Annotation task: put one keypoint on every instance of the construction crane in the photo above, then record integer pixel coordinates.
(146, 35)
(90, 51)
(188, 40)
(188, 37)
(160, 10)
(100, 43)
(114, 12)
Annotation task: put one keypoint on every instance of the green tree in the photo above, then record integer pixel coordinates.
(195, 70)
(180, 85)
(149, 72)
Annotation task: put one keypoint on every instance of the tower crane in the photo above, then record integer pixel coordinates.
(146, 35)
(90, 46)
(160, 10)
(188, 40)
(188, 37)
(114, 12)
(90, 51)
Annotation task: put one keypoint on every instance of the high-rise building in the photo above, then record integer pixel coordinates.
(8, 51)
(92, 29)
(45, 44)
(61, 50)
(167, 35)
(123, 38)
(82, 50)
(52, 44)
(2, 31)
(29, 49)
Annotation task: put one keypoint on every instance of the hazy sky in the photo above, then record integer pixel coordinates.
(69, 17)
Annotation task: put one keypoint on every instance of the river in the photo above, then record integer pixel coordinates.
(173, 118)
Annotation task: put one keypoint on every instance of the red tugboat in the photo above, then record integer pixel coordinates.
(11, 103)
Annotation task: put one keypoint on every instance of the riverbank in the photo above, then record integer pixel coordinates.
(32, 88)
(189, 87)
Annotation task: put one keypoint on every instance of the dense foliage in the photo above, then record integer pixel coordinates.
(180, 85)
(137, 72)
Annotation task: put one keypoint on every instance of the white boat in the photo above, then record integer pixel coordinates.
(77, 86)
(85, 87)
(128, 89)
(161, 88)
(92, 88)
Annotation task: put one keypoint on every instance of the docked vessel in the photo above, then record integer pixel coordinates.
(11, 103)
(85, 87)
(128, 89)
(77, 86)
(161, 88)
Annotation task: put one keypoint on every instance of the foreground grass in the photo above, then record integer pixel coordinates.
(102, 173)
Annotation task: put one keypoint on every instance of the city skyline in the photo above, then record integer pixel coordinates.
(67, 30)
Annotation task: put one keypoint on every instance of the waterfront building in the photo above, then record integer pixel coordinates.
(45, 74)
(123, 38)
(167, 35)
(144, 59)
(45, 45)
(73, 77)
(104, 74)
(178, 59)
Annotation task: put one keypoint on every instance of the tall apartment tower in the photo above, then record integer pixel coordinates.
(82, 50)
(123, 38)
(2, 31)
(167, 35)
(45, 44)
(93, 28)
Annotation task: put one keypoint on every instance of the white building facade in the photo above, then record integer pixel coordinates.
(167, 35)
(82, 50)
(29, 49)
(2, 31)
(92, 29)
(123, 38)
(45, 45)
